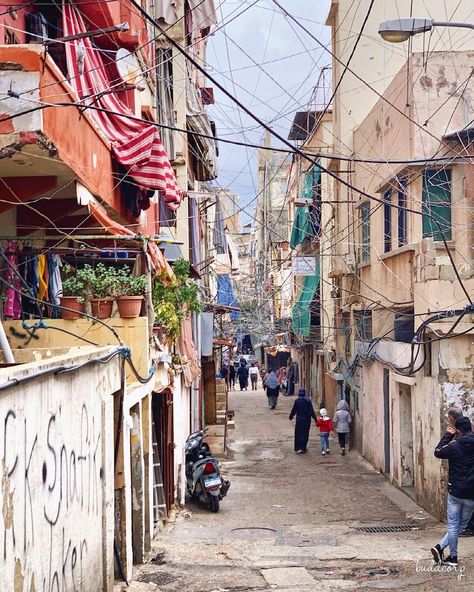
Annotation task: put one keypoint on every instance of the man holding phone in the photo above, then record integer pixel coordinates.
(457, 445)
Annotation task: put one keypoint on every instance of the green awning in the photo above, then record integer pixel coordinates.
(301, 318)
(302, 227)
(310, 182)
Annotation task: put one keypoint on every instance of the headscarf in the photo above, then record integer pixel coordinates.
(342, 406)
(271, 381)
(323, 412)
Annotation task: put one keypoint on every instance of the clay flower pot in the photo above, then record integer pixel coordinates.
(72, 303)
(102, 307)
(129, 307)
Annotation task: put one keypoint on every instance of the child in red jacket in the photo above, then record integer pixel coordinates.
(325, 426)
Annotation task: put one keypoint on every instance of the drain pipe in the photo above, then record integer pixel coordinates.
(9, 359)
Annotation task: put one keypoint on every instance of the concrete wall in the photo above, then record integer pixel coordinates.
(57, 477)
(133, 332)
(418, 415)
(182, 429)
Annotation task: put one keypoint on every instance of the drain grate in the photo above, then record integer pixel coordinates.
(393, 528)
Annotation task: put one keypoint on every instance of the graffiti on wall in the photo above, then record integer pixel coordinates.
(52, 497)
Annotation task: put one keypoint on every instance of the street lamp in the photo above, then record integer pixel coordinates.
(401, 29)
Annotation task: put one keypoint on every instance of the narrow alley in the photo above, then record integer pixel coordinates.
(290, 522)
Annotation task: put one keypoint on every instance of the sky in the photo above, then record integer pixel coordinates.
(272, 66)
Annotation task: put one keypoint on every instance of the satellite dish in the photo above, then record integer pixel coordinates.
(129, 68)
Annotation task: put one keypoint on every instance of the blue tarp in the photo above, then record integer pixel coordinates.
(226, 296)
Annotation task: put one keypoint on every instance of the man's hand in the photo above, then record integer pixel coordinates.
(451, 430)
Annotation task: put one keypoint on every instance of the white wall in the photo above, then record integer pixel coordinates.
(57, 456)
(182, 429)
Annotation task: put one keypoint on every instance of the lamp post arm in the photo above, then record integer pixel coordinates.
(451, 24)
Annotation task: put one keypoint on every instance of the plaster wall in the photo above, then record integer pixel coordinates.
(132, 332)
(372, 418)
(57, 483)
(182, 429)
(432, 392)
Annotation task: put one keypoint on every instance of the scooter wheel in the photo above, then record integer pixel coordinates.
(213, 503)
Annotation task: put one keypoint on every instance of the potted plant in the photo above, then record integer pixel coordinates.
(103, 284)
(130, 290)
(73, 298)
(175, 298)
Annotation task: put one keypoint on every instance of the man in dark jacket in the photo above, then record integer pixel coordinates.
(460, 453)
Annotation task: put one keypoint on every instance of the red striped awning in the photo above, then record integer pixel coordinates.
(136, 144)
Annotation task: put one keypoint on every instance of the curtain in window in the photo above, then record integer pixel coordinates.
(301, 317)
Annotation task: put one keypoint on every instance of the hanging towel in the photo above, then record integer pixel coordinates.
(43, 277)
(29, 272)
(12, 306)
(55, 284)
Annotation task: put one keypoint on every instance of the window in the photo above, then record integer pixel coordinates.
(165, 100)
(363, 325)
(402, 214)
(404, 326)
(387, 220)
(437, 204)
(428, 360)
(365, 232)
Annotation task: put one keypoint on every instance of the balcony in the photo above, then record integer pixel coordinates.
(47, 149)
(64, 337)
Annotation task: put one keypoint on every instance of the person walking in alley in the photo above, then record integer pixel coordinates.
(273, 389)
(342, 422)
(304, 411)
(254, 375)
(325, 426)
(243, 375)
(457, 445)
(231, 375)
(225, 373)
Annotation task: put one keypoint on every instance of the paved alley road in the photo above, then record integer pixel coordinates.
(289, 521)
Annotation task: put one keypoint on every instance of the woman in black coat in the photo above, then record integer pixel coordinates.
(303, 409)
(243, 374)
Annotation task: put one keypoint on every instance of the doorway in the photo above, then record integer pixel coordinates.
(163, 450)
(386, 418)
(407, 460)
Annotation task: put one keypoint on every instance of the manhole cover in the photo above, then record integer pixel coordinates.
(392, 528)
(254, 532)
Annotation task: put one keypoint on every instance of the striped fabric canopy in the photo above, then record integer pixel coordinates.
(136, 144)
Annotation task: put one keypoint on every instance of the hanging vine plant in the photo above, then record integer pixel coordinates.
(175, 299)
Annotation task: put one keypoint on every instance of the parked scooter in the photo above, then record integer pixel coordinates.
(203, 474)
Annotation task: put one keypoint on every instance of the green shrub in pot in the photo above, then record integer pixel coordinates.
(130, 290)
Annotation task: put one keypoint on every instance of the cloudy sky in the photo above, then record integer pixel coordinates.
(272, 66)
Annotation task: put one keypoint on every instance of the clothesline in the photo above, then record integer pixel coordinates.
(82, 237)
